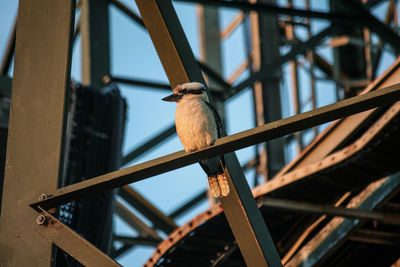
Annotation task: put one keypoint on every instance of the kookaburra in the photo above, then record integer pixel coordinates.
(198, 126)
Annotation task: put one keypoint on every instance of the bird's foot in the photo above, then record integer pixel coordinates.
(214, 186)
(223, 184)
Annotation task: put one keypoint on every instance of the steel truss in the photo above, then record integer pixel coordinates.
(39, 227)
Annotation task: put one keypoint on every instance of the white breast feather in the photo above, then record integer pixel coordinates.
(195, 125)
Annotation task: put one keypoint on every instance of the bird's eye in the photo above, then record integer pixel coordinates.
(183, 91)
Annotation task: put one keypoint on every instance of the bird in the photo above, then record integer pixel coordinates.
(198, 126)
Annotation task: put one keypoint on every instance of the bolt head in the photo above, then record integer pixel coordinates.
(41, 219)
(43, 196)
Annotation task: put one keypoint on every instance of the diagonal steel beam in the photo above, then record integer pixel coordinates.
(180, 66)
(337, 17)
(222, 146)
(127, 11)
(270, 69)
(159, 219)
(385, 218)
(339, 229)
(72, 243)
(151, 143)
(135, 222)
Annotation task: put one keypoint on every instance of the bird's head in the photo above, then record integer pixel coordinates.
(187, 91)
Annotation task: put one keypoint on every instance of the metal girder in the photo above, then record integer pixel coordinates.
(338, 17)
(127, 11)
(296, 50)
(267, 96)
(143, 83)
(339, 229)
(94, 28)
(36, 129)
(148, 145)
(75, 245)
(386, 218)
(135, 222)
(222, 146)
(144, 241)
(375, 237)
(196, 199)
(180, 66)
(159, 219)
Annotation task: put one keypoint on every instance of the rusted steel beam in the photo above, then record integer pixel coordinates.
(72, 243)
(222, 146)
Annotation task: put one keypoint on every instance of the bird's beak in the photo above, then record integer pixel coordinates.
(172, 98)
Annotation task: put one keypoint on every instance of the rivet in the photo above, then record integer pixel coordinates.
(41, 219)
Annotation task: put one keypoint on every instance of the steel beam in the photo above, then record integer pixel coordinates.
(386, 218)
(339, 229)
(136, 82)
(188, 205)
(53, 231)
(127, 11)
(222, 146)
(94, 29)
(376, 237)
(133, 241)
(297, 49)
(337, 17)
(135, 222)
(148, 145)
(159, 219)
(180, 66)
(35, 136)
(267, 98)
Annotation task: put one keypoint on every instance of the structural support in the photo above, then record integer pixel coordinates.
(385, 218)
(339, 229)
(151, 143)
(159, 219)
(41, 79)
(53, 231)
(222, 146)
(94, 28)
(180, 66)
(267, 99)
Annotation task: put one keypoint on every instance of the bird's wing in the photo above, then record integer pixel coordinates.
(217, 119)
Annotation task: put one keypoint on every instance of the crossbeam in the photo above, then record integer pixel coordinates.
(222, 146)
(74, 244)
(386, 218)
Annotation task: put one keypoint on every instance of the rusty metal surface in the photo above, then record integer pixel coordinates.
(35, 137)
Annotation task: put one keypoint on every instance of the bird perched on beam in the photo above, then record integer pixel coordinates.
(198, 126)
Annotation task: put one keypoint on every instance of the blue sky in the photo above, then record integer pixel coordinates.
(133, 55)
